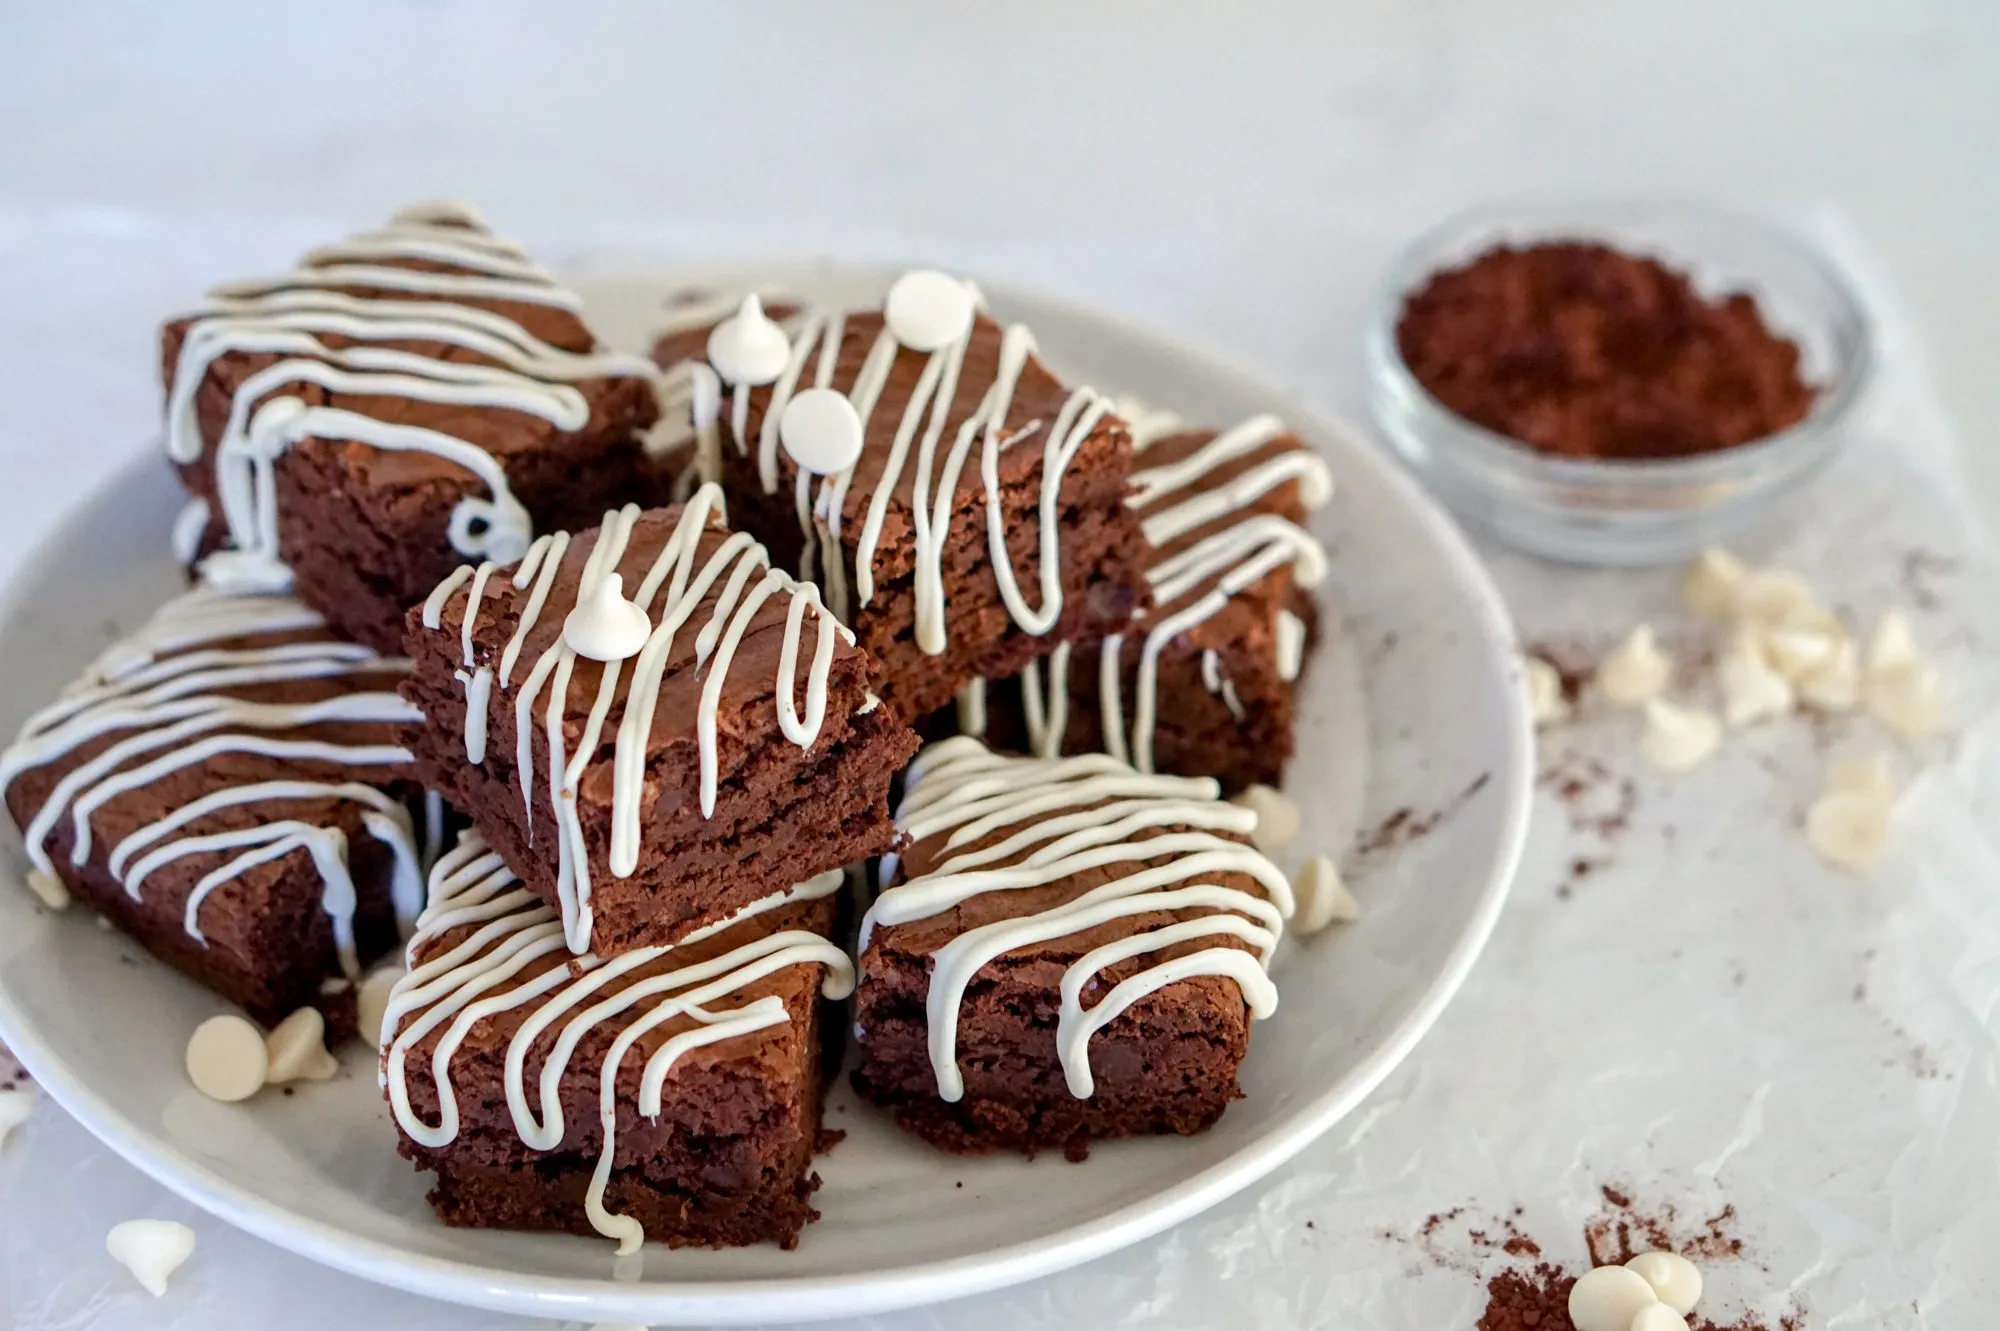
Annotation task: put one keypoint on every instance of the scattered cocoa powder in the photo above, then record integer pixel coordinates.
(1535, 1299)
(1406, 824)
(1581, 351)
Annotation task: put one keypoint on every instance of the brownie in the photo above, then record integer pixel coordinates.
(1005, 407)
(1025, 879)
(235, 776)
(713, 795)
(400, 403)
(1205, 674)
(716, 1044)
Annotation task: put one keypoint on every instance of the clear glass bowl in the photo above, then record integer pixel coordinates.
(1627, 512)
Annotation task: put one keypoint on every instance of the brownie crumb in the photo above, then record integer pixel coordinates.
(1536, 1299)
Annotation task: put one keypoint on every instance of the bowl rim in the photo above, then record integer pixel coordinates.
(1420, 257)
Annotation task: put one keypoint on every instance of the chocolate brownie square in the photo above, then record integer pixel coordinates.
(711, 1048)
(401, 402)
(1064, 950)
(1200, 683)
(229, 787)
(735, 745)
(983, 519)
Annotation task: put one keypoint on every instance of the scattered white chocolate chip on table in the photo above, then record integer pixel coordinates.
(1709, 587)
(1752, 691)
(1323, 897)
(1607, 1298)
(1849, 829)
(1868, 775)
(748, 347)
(296, 1049)
(151, 1250)
(1675, 1280)
(15, 1106)
(226, 1059)
(1678, 739)
(927, 310)
(821, 431)
(1635, 671)
(1834, 685)
(1277, 817)
(605, 626)
(1770, 596)
(1892, 645)
(1907, 699)
(1546, 702)
(1658, 1317)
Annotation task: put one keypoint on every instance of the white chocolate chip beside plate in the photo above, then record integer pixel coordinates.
(49, 889)
(1906, 699)
(1834, 685)
(372, 1001)
(1797, 652)
(1751, 690)
(1678, 739)
(1607, 1298)
(1546, 702)
(151, 1250)
(1892, 646)
(1323, 897)
(226, 1059)
(1675, 1280)
(1709, 586)
(1770, 596)
(1849, 829)
(296, 1049)
(15, 1106)
(1862, 776)
(1635, 671)
(1277, 817)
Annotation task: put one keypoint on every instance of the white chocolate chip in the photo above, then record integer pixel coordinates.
(604, 626)
(1635, 671)
(1849, 829)
(1751, 690)
(226, 1059)
(15, 1106)
(1797, 652)
(1322, 897)
(927, 310)
(1545, 694)
(1675, 1280)
(1277, 817)
(151, 1250)
(1906, 699)
(373, 1001)
(1709, 587)
(1892, 646)
(704, 395)
(1835, 684)
(1607, 1298)
(296, 1049)
(1678, 739)
(1862, 776)
(821, 431)
(49, 888)
(1657, 1317)
(748, 347)
(1770, 596)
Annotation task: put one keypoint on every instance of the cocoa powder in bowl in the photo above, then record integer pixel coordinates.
(1579, 350)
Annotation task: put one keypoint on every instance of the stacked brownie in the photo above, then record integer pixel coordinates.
(663, 639)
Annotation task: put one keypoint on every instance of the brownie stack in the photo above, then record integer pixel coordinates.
(652, 641)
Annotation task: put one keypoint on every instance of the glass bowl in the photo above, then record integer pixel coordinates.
(1644, 511)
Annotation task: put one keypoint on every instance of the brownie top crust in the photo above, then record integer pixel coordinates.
(1112, 883)
(431, 347)
(227, 732)
(1224, 512)
(496, 1026)
(974, 429)
(730, 655)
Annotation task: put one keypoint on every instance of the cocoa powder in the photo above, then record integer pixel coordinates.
(1582, 351)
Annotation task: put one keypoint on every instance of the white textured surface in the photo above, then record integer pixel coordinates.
(1239, 177)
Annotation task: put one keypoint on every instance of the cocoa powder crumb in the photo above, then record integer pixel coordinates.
(1536, 1299)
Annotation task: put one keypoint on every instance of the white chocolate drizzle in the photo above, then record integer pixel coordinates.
(920, 441)
(1057, 818)
(296, 317)
(168, 695)
(508, 955)
(1192, 584)
(733, 581)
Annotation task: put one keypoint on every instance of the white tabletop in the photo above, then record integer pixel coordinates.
(1239, 176)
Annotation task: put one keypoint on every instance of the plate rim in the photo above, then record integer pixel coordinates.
(817, 1297)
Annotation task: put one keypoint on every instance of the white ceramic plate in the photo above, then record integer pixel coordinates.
(1415, 704)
